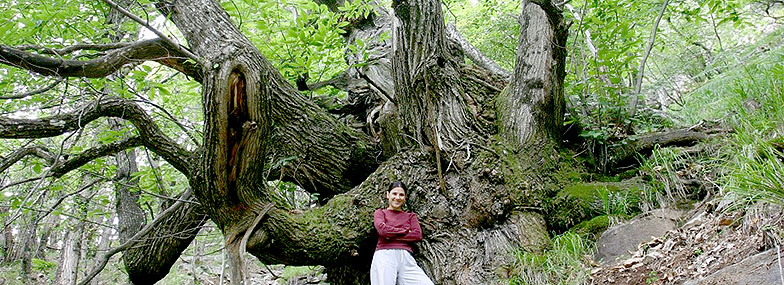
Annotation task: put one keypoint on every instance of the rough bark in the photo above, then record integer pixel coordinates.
(70, 256)
(531, 111)
(151, 258)
(469, 200)
(433, 107)
(154, 49)
(130, 215)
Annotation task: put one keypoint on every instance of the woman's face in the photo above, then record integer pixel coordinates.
(396, 197)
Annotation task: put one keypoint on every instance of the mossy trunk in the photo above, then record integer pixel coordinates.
(477, 195)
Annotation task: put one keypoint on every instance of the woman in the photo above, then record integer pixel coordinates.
(397, 231)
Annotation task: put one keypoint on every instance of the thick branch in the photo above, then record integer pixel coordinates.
(89, 155)
(627, 155)
(22, 153)
(163, 228)
(73, 48)
(147, 25)
(151, 135)
(155, 49)
(329, 157)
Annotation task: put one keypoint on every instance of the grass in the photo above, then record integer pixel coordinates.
(747, 166)
(562, 263)
(752, 157)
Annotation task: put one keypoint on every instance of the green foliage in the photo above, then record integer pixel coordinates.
(668, 168)
(581, 202)
(750, 99)
(43, 265)
(300, 37)
(562, 263)
(594, 227)
(491, 26)
(290, 272)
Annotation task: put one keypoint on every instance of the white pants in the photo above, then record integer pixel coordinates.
(396, 266)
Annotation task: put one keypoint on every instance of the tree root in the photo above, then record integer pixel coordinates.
(238, 248)
(626, 156)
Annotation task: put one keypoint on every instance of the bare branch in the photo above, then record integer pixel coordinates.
(73, 48)
(158, 33)
(89, 155)
(151, 136)
(156, 49)
(641, 69)
(34, 92)
(23, 152)
(475, 54)
(62, 198)
(136, 238)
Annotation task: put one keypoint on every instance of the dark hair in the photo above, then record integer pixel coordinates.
(396, 184)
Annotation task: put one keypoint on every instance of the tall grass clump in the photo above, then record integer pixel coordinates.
(672, 172)
(753, 163)
(562, 263)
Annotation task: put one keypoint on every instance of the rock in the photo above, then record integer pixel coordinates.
(762, 268)
(617, 241)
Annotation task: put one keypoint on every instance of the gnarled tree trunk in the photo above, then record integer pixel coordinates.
(470, 188)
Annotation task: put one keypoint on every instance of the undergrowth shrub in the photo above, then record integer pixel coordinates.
(562, 263)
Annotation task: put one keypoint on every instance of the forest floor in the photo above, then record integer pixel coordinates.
(711, 238)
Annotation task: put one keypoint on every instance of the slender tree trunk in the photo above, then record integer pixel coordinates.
(641, 70)
(103, 245)
(28, 242)
(40, 251)
(71, 252)
(70, 256)
(8, 238)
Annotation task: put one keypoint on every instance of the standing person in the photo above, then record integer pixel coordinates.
(397, 231)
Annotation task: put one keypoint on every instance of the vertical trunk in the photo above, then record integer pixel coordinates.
(28, 240)
(103, 245)
(71, 253)
(433, 107)
(531, 112)
(69, 257)
(40, 251)
(8, 238)
(130, 216)
(26, 247)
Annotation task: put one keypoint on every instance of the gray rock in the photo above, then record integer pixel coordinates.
(762, 268)
(617, 241)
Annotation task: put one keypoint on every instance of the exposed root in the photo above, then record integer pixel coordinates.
(238, 248)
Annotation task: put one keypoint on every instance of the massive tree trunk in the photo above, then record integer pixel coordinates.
(470, 188)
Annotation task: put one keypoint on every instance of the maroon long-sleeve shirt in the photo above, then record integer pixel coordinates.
(396, 229)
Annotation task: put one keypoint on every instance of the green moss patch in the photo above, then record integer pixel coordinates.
(583, 201)
(593, 227)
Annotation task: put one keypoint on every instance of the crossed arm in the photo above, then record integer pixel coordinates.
(410, 231)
